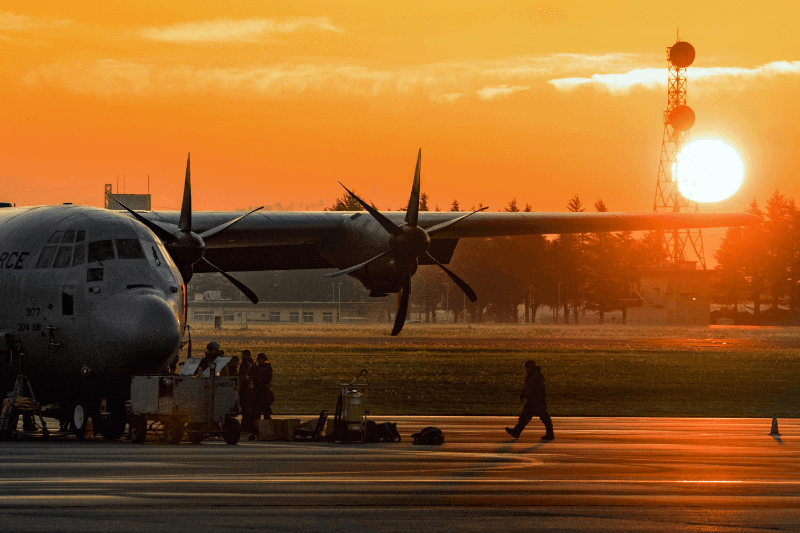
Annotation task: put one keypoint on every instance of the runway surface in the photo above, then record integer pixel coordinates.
(600, 474)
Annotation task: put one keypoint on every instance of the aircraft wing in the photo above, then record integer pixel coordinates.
(276, 240)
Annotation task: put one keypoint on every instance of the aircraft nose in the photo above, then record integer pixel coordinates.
(136, 331)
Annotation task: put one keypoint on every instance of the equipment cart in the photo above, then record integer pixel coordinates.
(171, 405)
(350, 418)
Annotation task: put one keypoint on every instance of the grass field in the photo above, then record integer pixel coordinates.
(582, 379)
(508, 331)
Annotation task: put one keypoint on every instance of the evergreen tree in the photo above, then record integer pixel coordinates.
(346, 203)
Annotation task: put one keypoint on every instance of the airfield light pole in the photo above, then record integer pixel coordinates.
(678, 119)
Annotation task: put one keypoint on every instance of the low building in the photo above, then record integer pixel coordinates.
(671, 296)
(232, 312)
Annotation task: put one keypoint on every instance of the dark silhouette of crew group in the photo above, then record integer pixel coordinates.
(255, 383)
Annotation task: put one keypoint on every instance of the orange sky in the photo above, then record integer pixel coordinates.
(278, 100)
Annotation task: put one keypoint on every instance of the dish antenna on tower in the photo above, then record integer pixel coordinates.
(678, 120)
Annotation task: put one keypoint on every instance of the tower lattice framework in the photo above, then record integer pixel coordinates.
(678, 119)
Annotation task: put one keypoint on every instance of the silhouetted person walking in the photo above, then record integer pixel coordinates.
(533, 394)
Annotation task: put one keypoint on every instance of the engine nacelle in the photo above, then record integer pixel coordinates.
(362, 238)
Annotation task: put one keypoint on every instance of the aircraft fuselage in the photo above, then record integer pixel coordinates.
(90, 295)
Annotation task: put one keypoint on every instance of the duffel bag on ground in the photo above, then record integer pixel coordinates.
(429, 435)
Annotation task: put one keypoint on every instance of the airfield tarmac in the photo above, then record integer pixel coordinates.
(600, 474)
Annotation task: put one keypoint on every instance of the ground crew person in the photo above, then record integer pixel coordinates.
(212, 352)
(533, 394)
(232, 368)
(261, 396)
(245, 392)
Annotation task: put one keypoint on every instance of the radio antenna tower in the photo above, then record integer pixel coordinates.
(678, 119)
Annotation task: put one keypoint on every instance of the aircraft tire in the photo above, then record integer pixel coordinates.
(138, 429)
(174, 430)
(80, 420)
(232, 431)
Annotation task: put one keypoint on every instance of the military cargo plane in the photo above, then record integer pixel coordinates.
(93, 296)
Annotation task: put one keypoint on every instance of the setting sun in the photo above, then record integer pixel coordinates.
(709, 170)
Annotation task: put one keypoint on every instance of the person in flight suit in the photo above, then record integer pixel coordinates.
(245, 391)
(533, 394)
(232, 368)
(261, 396)
(212, 352)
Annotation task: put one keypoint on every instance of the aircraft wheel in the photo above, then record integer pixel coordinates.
(173, 430)
(138, 429)
(232, 431)
(80, 420)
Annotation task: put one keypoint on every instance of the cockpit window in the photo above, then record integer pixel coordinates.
(69, 237)
(63, 257)
(80, 235)
(46, 257)
(129, 249)
(55, 238)
(80, 254)
(101, 251)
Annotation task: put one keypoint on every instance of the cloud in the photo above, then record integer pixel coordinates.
(490, 93)
(546, 15)
(13, 22)
(449, 97)
(226, 30)
(445, 82)
(651, 78)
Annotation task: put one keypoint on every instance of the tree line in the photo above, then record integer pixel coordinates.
(758, 267)
(574, 272)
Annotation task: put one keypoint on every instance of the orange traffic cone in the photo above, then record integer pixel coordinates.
(774, 427)
(89, 429)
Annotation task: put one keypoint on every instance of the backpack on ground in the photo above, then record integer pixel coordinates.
(384, 432)
(429, 435)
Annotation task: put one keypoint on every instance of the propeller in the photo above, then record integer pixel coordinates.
(184, 245)
(407, 243)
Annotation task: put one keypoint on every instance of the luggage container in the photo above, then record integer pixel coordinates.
(177, 404)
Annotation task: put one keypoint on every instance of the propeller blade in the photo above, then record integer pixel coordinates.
(412, 212)
(387, 224)
(439, 227)
(238, 284)
(402, 306)
(213, 231)
(160, 232)
(458, 281)
(356, 267)
(185, 224)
